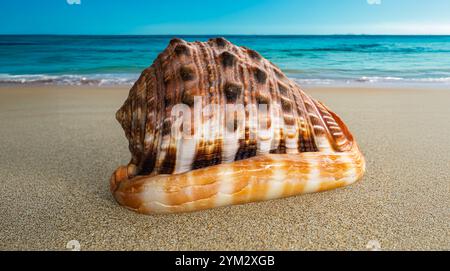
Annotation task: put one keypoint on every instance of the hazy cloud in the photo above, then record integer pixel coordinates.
(374, 2)
(74, 2)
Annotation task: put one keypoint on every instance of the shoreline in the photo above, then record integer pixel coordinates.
(62, 143)
(394, 86)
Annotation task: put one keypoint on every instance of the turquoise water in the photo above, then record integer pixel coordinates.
(106, 60)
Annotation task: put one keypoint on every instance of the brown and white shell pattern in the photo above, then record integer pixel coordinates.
(297, 146)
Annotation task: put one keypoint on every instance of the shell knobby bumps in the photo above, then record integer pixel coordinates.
(302, 147)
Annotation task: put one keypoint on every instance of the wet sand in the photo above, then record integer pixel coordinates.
(59, 146)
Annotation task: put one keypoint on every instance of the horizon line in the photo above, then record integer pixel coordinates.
(198, 35)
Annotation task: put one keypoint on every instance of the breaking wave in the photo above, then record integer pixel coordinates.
(69, 79)
(129, 79)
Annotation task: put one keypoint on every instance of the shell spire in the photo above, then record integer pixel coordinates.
(212, 124)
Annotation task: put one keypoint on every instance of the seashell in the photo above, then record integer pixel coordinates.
(274, 142)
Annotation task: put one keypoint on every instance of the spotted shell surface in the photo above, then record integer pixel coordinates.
(295, 145)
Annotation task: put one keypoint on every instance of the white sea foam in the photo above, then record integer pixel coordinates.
(129, 79)
(376, 80)
(70, 79)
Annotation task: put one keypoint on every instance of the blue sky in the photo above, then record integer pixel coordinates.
(225, 17)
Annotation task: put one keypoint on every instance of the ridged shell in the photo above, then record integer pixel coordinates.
(221, 73)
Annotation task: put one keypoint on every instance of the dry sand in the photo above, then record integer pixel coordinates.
(60, 145)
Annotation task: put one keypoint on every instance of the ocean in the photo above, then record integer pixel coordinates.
(310, 60)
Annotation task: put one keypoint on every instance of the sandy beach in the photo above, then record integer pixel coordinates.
(59, 146)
